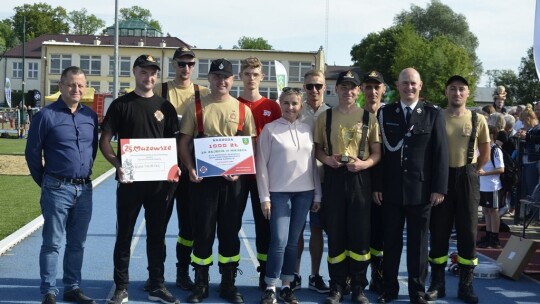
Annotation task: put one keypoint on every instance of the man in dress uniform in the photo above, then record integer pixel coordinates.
(414, 168)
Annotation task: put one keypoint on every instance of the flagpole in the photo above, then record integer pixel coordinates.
(115, 75)
(536, 45)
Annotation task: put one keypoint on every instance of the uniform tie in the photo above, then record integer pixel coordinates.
(408, 115)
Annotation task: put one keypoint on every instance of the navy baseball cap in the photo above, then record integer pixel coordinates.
(349, 76)
(221, 67)
(146, 61)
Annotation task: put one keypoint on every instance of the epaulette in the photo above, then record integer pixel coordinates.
(430, 105)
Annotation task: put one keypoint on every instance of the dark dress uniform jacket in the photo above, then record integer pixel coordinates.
(420, 168)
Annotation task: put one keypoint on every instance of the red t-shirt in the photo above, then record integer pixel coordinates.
(264, 111)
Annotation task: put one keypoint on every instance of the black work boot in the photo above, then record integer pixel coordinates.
(376, 283)
(436, 289)
(358, 283)
(465, 288)
(182, 277)
(228, 290)
(200, 289)
(262, 273)
(336, 294)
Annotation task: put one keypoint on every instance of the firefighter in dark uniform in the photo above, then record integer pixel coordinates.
(347, 142)
(460, 207)
(414, 167)
(374, 88)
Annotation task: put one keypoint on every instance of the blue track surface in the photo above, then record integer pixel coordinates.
(19, 268)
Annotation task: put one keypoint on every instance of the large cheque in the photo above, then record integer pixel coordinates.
(149, 159)
(217, 156)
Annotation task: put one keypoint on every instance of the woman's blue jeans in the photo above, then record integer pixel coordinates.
(288, 216)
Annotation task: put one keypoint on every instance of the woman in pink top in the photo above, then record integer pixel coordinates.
(289, 187)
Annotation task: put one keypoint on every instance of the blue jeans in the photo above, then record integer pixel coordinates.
(530, 178)
(287, 219)
(66, 208)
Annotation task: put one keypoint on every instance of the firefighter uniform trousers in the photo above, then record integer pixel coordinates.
(216, 202)
(184, 244)
(460, 206)
(346, 215)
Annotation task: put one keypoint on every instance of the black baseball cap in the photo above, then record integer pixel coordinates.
(349, 76)
(221, 67)
(373, 75)
(146, 61)
(457, 78)
(183, 51)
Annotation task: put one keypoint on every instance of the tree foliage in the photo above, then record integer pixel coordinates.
(399, 47)
(438, 19)
(137, 12)
(7, 36)
(508, 79)
(523, 87)
(435, 41)
(376, 52)
(85, 24)
(429, 58)
(252, 43)
(529, 85)
(41, 18)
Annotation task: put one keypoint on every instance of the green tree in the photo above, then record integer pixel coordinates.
(253, 44)
(529, 85)
(507, 78)
(523, 87)
(435, 60)
(438, 19)
(7, 37)
(85, 24)
(376, 52)
(137, 12)
(41, 18)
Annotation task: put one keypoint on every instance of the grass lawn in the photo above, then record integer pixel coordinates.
(19, 195)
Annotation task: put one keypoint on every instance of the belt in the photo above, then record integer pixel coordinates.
(69, 180)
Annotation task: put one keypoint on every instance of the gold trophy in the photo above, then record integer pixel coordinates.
(346, 135)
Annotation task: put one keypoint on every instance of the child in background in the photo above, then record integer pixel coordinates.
(490, 193)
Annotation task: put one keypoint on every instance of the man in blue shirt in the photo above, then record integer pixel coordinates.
(65, 133)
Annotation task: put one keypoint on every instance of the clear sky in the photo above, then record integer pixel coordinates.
(504, 28)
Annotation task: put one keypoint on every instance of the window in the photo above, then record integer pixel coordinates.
(270, 93)
(235, 91)
(330, 91)
(123, 86)
(94, 84)
(59, 63)
(53, 86)
(32, 70)
(17, 70)
(297, 70)
(158, 60)
(269, 69)
(125, 66)
(91, 65)
(236, 69)
(204, 66)
(172, 70)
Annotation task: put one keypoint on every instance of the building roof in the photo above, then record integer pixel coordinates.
(33, 47)
(134, 24)
(483, 95)
(332, 71)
